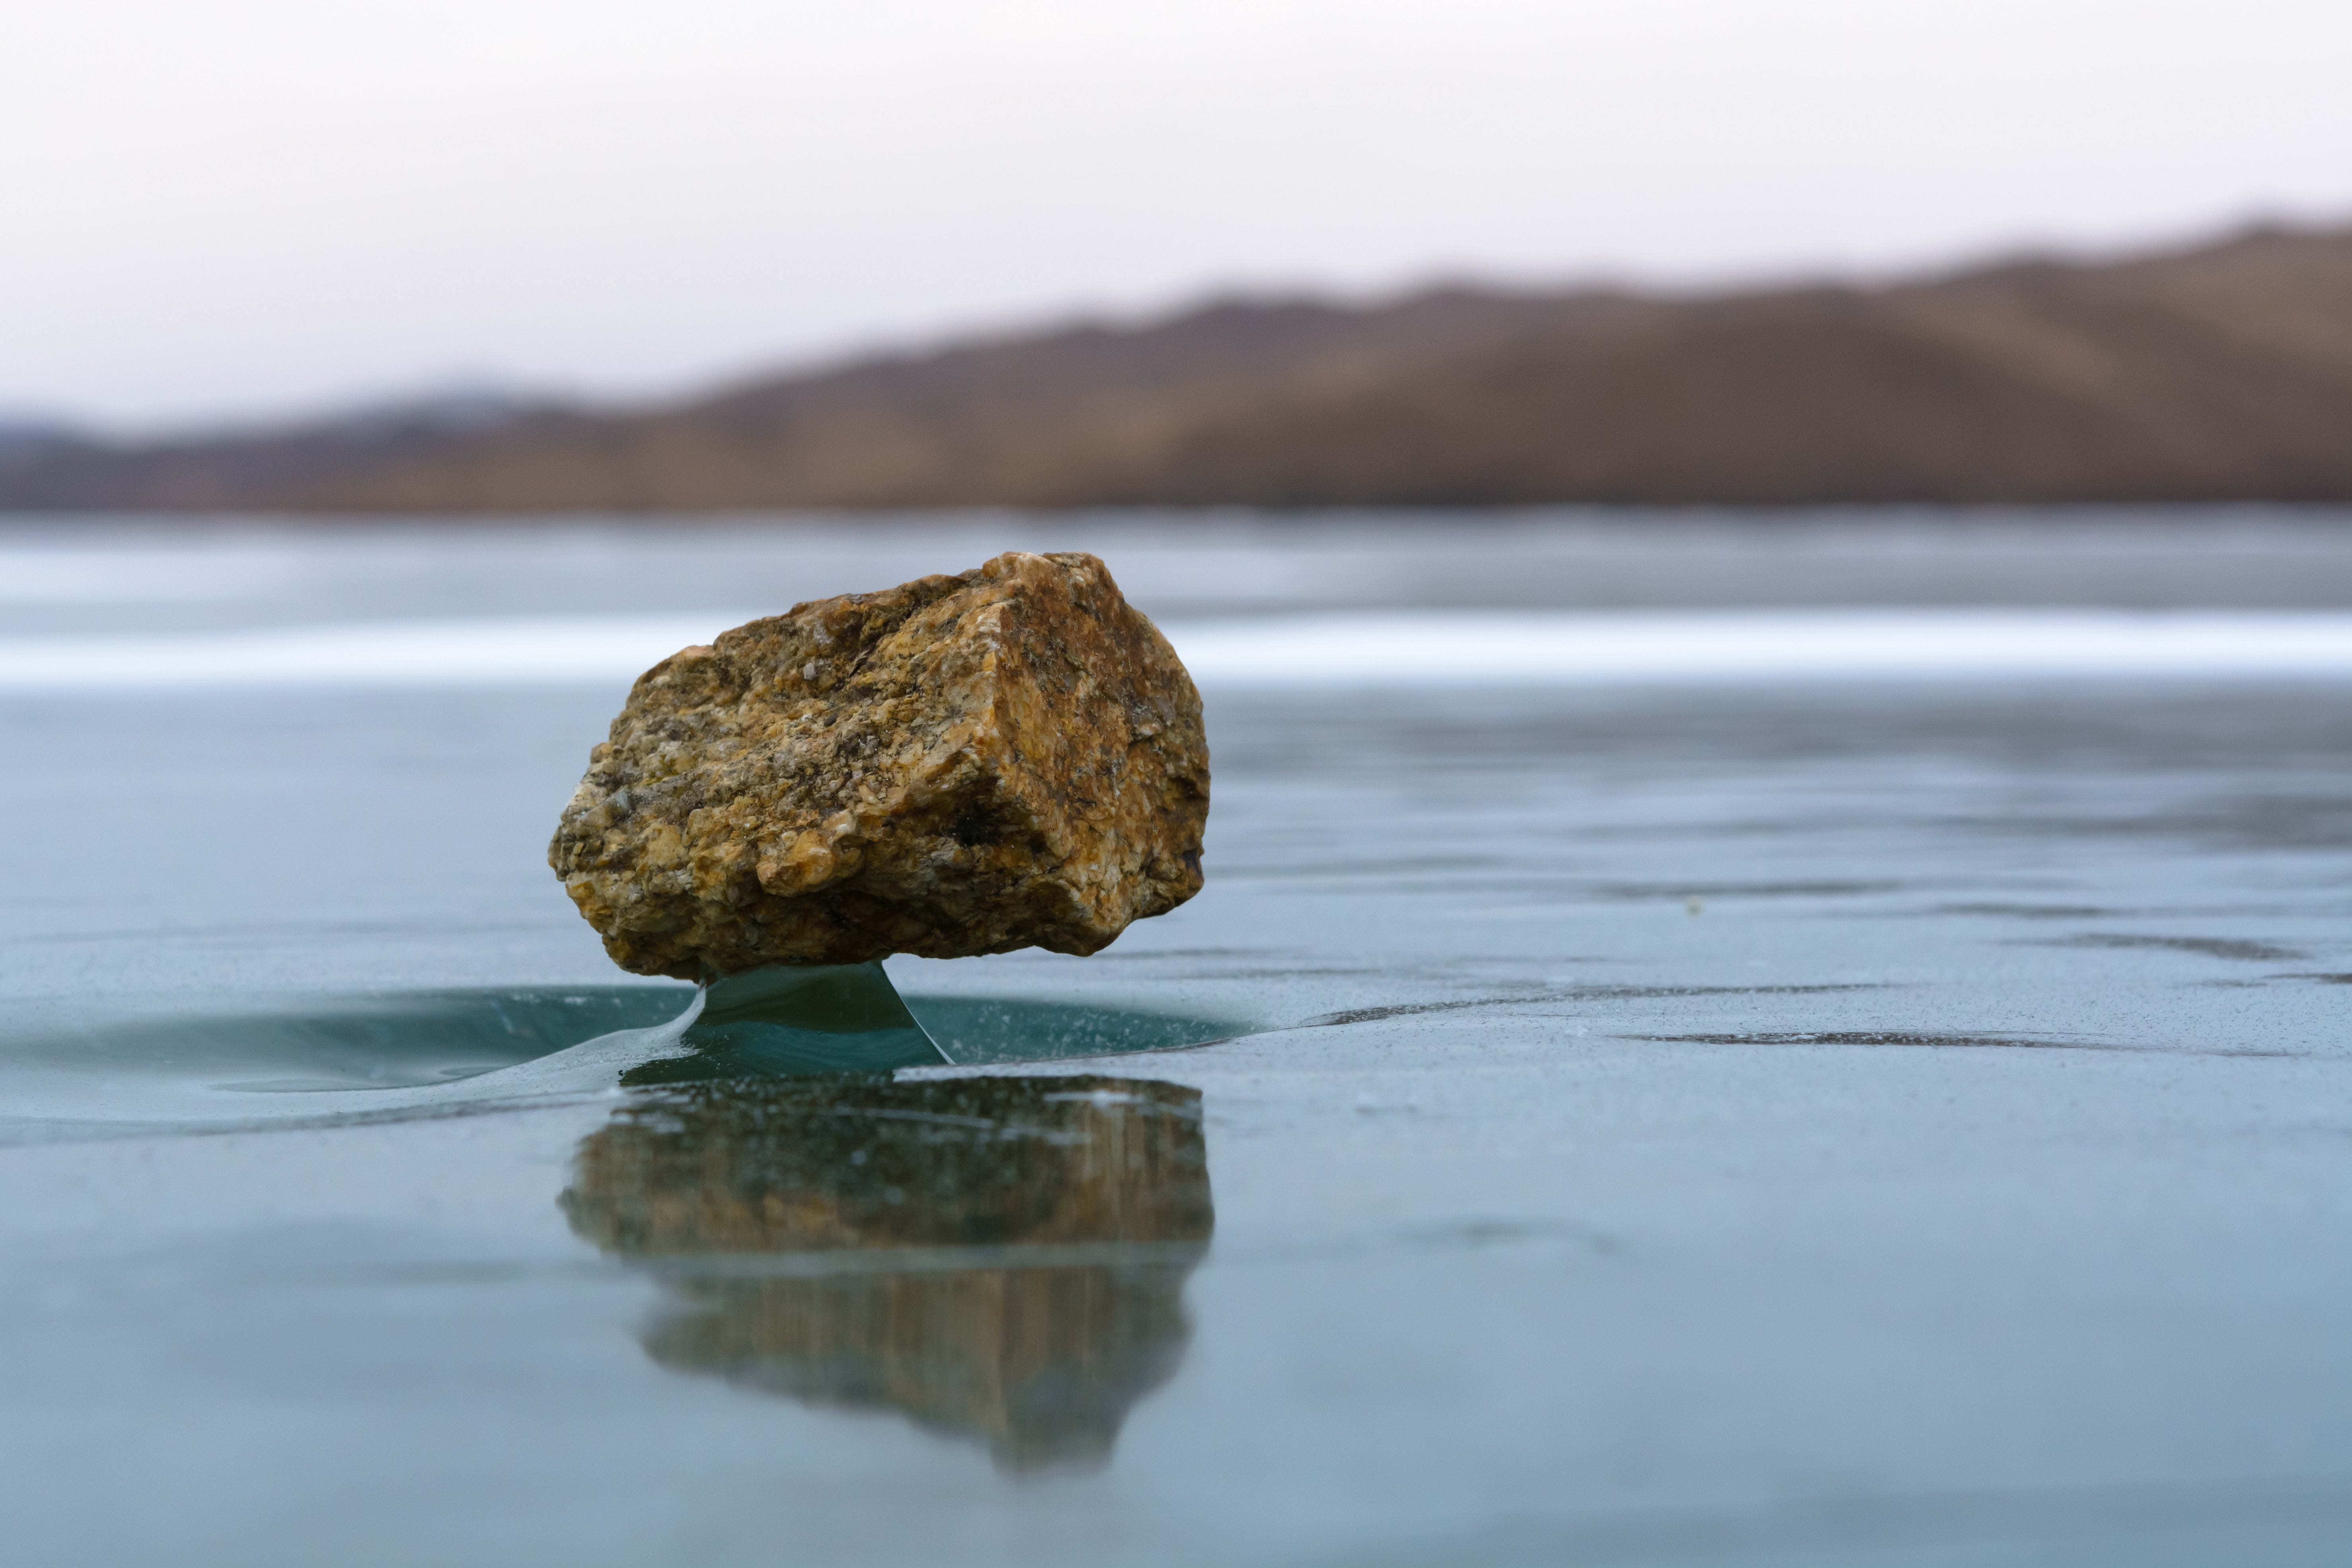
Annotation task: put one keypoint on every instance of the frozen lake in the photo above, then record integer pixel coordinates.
(1861, 1079)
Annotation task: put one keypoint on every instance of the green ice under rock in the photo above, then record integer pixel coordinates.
(786, 1021)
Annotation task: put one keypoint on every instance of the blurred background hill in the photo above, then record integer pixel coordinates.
(2221, 372)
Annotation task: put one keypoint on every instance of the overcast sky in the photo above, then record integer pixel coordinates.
(237, 207)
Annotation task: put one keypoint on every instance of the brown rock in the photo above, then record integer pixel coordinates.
(1008, 758)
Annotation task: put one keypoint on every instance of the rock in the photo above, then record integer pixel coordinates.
(1008, 758)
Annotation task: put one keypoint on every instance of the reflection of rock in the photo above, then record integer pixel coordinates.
(1009, 758)
(998, 1257)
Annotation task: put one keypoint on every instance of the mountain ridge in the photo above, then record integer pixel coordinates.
(2215, 373)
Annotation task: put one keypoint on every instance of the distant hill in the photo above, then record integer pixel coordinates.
(2221, 374)
(26, 437)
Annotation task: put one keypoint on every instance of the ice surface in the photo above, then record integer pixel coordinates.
(1811, 1123)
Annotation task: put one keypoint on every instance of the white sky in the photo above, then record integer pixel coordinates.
(214, 207)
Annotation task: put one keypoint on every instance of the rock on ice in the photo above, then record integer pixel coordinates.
(1008, 758)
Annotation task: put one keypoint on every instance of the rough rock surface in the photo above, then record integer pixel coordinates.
(1008, 758)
